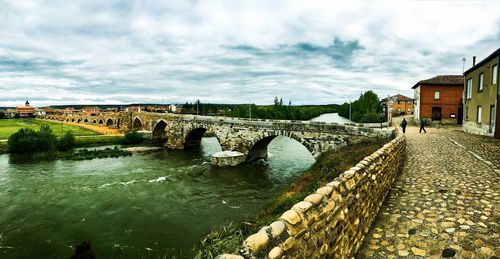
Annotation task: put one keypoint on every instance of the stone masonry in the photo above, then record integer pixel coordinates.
(249, 137)
(332, 222)
(445, 203)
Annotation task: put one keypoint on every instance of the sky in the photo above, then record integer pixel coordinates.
(234, 51)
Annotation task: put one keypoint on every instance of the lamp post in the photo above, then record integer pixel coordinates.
(350, 110)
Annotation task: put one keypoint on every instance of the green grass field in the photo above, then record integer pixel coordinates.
(10, 126)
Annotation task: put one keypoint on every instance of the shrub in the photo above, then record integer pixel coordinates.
(370, 117)
(27, 140)
(133, 137)
(47, 139)
(66, 142)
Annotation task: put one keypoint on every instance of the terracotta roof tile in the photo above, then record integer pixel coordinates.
(442, 80)
(399, 97)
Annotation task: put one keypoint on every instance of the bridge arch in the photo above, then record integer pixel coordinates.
(73, 120)
(101, 122)
(137, 124)
(109, 122)
(67, 120)
(79, 120)
(159, 133)
(86, 120)
(94, 121)
(258, 149)
(195, 134)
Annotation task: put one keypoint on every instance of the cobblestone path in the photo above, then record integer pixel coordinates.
(445, 202)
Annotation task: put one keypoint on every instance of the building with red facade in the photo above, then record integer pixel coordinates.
(439, 99)
(91, 110)
(397, 105)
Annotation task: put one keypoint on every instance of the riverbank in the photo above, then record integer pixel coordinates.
(328, 166)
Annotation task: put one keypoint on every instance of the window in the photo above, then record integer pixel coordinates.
(409, 102)
(481, 82)
(399, 102)
(437, 95)
(467, 112)
(494, 72)
(479, 113)
(468, 89)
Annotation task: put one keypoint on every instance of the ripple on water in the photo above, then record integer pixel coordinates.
(158, 198)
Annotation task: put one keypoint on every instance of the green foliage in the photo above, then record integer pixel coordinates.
(98, 141)
(132, 138)
(66, 142)
(27, 140)
(86, 154)
(220, 241)
(276, 111)
(370, 117)
(2, 115)
(47, 138)
(368, 102)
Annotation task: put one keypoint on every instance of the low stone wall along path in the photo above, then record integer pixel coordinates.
(444, 203)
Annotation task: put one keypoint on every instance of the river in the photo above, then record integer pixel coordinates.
(144, 206)
(331, 117)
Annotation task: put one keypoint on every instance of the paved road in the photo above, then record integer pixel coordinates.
(445, 201)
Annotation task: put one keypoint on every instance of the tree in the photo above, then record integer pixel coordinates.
(370, 117)
(2, 115)
(27, 140)
(133, 137)
(47, 139)
(368, 102)
(66, 142)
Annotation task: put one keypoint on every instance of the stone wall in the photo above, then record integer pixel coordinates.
(332, 222)
(249, 137)
(476, 128)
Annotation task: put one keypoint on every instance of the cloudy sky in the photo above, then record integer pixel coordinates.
(233, 51)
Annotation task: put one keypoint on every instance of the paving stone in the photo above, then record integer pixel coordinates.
(444, 196)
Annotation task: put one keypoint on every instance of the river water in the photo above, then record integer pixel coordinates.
(145, 206)
(331, 117)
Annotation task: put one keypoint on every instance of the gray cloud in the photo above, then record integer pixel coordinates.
(233, 51)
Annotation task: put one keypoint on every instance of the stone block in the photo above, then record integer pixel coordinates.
(256, 242)
(302, 206)
(325, 191)
(291, 217)
(275, 253)
(277, 228)
(315, 199)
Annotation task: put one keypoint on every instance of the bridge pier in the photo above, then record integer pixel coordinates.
(228, 158)
(248, 137)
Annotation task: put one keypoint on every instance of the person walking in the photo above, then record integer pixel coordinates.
(422, 126)
(403, 125)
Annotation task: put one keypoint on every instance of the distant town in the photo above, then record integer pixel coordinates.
(28, 111)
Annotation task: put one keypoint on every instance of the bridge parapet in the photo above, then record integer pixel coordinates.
(249, 137)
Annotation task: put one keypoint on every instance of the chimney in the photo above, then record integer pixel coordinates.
(473, 60)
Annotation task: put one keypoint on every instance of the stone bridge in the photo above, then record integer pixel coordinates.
(249, 137)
